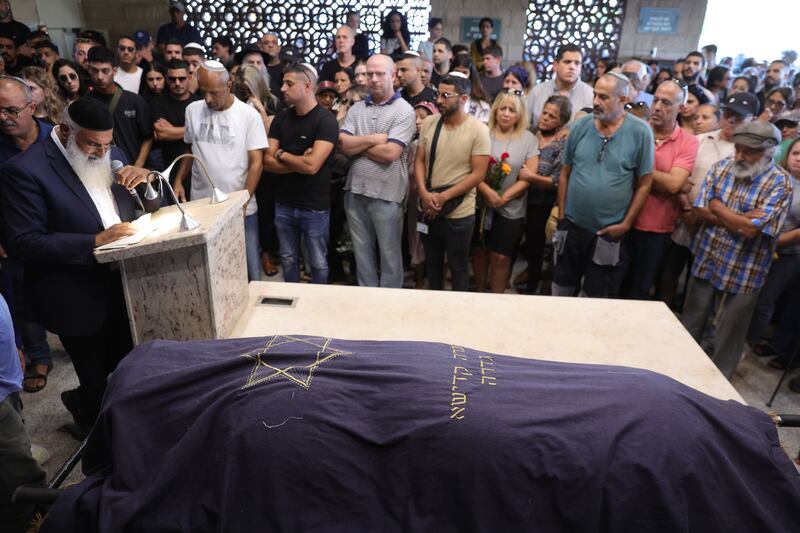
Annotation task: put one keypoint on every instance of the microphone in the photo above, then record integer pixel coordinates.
(116, 166)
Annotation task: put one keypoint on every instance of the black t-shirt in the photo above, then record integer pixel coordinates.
(330, 69)
(361, 47)
(174, 111)
(492, 86)
(297, 134)
(427, 95)
(276, 80)
(132, 123)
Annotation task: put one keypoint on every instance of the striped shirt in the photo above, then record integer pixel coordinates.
(396, 118)
(729, 261)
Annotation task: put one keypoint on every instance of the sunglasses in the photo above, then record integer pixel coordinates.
(174, 79)
(67, 77)
(446, 96)
(601, 155)
(517, 92)
(126, 48)
(634, 105)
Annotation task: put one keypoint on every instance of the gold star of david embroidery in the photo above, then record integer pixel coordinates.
(301, 375)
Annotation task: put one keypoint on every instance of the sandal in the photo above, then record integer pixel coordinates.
(763, 349)
(32, 375)
(269, 267)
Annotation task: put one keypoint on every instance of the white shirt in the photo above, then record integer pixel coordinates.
(102, 197)
(581, 95)
(129, 82)
(221, 139)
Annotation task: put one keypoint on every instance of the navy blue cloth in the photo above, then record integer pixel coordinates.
(51, 223)
(295, 433)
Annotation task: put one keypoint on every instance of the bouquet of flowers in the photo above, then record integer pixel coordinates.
(498, 170)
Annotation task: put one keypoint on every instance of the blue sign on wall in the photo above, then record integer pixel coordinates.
(658, 20)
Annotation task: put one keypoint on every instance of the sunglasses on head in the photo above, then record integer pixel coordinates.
(517, 92)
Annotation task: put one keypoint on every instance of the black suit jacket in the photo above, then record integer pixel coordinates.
(51, 223)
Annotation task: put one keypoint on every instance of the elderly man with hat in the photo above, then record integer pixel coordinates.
(60, 201)
(178, 28)
(742, 205)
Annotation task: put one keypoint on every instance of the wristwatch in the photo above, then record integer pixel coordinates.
(278, 154)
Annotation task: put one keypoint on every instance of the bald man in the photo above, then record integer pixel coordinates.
(410, 69)
(228, 136)
(344, 41)
(375, 135)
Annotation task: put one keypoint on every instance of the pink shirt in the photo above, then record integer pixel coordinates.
(661, 210)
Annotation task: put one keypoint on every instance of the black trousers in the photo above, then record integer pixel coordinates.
(449, 237)
(96, 356)
(535, 241)
(265, 196)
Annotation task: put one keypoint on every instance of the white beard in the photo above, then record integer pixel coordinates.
(742, 170)
(94, 173)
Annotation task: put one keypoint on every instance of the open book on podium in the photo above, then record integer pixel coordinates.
(184, 285)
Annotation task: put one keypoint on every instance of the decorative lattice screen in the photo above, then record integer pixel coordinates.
(308, 24)
(594, 25)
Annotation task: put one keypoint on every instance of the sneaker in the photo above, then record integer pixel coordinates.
(71, 401)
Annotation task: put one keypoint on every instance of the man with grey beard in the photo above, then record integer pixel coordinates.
(60, 201)
(742, 204)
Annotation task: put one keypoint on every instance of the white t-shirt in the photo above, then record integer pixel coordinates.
(221, 140)
(129, 82)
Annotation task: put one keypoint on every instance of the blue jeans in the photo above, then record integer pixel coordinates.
(252, 247)
(292, 223)
(371, 218)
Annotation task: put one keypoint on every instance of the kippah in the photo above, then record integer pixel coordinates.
(310, 68)
(213, 65)
(458, 74)
(90, 114)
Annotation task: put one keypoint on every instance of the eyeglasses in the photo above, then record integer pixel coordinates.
(174, 79)
(67, 77)
(601, 155)
(126, 48)
(517, 92)
(780, 104)
(446, 96)
(11, 112)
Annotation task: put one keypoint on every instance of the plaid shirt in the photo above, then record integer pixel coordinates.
(729, 261)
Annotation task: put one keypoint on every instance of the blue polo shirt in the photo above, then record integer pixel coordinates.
(10, 369)
(602, 179)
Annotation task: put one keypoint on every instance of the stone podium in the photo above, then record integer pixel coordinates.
(184, 285)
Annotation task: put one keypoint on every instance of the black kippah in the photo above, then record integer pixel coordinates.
(90, 114)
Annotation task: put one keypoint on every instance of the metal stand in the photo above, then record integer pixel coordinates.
(788, 368)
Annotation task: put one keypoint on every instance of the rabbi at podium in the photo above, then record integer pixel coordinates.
(61, 200)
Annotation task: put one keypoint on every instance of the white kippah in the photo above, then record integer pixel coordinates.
(457, 74)
(214, 66)
(310, 68)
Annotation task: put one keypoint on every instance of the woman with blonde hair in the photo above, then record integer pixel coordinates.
(49, 104)
(502, 218)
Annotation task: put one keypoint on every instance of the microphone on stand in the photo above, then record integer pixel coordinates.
(116, 166)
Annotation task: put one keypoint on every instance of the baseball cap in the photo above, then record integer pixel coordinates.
(787, 118)
(326, 86)
(142, 38)
(741, 103)
(757, 134)
(290, 53)
(430, 106)
(177, 6)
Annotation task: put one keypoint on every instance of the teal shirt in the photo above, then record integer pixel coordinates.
(599, 193)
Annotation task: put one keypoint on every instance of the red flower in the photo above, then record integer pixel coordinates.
(492, 160)
(504, 156)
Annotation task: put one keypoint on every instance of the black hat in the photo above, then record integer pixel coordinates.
(8, 34)
(741, 103)
(90, 114)
(290, 53)
(251, 49)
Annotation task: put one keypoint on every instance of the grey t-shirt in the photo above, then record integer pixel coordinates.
(793, 218)
(519, 149)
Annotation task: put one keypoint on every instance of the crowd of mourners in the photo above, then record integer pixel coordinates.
(432, 167)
